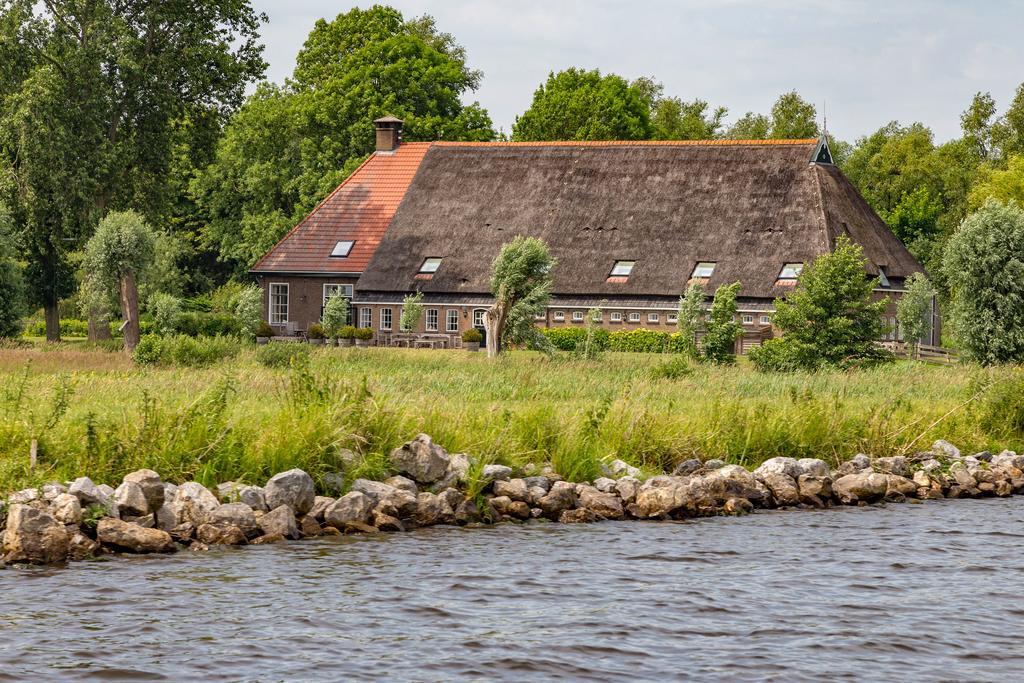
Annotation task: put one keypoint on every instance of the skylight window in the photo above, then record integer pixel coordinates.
(882, 278)
(703, 270)
(622, 268)
(342, 249)
(430, 266)
(791, 271)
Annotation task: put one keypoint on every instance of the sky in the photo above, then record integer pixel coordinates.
(864, 62)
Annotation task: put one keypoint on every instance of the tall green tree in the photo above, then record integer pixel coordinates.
(691, 317)
(1001, 185)
(1008, 131)
(576, 104)
(791, 117)
(91, 93)
(722, 329)
(674, 119)
(291, 144)
(12, 284)
(977, 123)
(914, 310)
(521, 285)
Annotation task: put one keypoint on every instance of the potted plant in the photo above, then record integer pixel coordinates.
(471, 339)
(264, 332)
(315, 334)
(346, 336)
(363, 336)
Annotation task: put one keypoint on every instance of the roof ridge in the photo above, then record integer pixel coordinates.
(625, 143)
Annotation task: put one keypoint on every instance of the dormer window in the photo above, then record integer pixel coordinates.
(791, 271)
(430, 266)
(342, 249)
(620, 271)
(882, 278)
(703, 270)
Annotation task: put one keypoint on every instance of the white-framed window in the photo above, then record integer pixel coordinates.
(599, 316)
(430, 266)
(616, 317)
(748, 320)
(478, 317)
(558, 315)
(703, 270)
(791, 271)
(622, 268)
(634, 317)
(653, 318)
(577, 316)
(451, 320)
(672, 318)
(278, 303)
(540, 316)
(431, 320)
(336, 290)
(342, 249)
(385, 319)
(366, 317)
(766, 320)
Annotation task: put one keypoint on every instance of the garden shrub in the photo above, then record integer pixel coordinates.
(199, 324)
(280, 355)
(184, 350)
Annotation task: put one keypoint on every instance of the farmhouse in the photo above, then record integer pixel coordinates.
(630, 224)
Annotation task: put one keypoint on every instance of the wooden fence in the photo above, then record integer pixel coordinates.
(923, 352)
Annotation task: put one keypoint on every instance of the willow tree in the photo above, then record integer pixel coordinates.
(521, 285)
(117, 253)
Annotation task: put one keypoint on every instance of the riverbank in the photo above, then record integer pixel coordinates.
(144, 514)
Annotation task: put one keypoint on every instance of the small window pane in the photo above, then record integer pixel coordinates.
(703, 270)
(791, 271)
(478, 317)
(451, 321)
(366, 317)
(430, 265)
(622, 268)
(431, 320)
(385, 318)
(342, 248)
(278, 303)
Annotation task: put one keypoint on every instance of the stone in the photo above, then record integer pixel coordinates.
(34, 536)
(779, 465)
(183, 532)
(814, 467)
(561, 497)
(515, 489)
(192, 503)
(66, 509)
(740, 483)
(864, 486)
(334, 482)
(713, 464)
(1003, 488)
(105, 490)
(280, 520)
(963, 477)
(238, 515)
(221, 534)
(148, 521)
(453, 497)
(309, 526)
(402, 483)
(534, 495)
(151, 485)
(87, 492)
(228, 491)
(857, 463)
(293, 488)
(686, 467)
(604, 484)
(22, 497)
(897, 465)
(661, 500)
(253, 497)
(627, 487)
(1006, 458)
(738, 506)
(983, 456)
(432, 509)
(497, 472)
(133, 538)
(506, 507)
(320, 505)
(578, 516)
(783, 487)
(945, 449)
(540, 482)
(52, 490)
(900, 485)
(374, 489)
(814, 489)
(920, 478)
(385, 522)
(359, 528)
(353, 507)
(267, 538)
(131, 501)
(469, 513)
(421, 459)
(400, 503)
(931, 465)
(81, 547)
(604, 505)
(619, 468)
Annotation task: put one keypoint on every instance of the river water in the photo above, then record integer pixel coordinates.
(903, 592)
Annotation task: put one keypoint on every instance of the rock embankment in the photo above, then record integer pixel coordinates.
(147, 515)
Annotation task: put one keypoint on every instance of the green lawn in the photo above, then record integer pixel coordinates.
(95, 413)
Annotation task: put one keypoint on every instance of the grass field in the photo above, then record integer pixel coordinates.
(95, 413)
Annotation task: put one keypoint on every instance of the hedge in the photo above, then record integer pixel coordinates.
(637, 341)
(74, 327)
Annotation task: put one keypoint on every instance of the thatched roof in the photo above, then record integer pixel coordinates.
(748, 206)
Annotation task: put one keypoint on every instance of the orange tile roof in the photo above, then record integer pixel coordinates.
(360, 210)
(626, 143)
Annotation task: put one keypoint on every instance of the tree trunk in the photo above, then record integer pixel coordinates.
(52, 315)
(494, 323)
(99, 327)
(130, 311)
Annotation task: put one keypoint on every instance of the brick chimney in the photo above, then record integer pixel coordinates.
(389, 133)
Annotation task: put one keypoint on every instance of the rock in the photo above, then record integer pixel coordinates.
(221, 534)
(399, 503)
(66, 509)
(578, 516)
(334, 482)
(900, 485)
(619, 468)
(320, 505)
(131, 501)
(561, 497)
(540, 482)
(87, 492)
(235, 514)
(105, 490)
(604, 484)
(228, 491)
(897, 465)
(421, 459)
(432, 509)
(739, 482)
(133, 538)
(353, 507)
(922, 479)
(148, 521)
(814, 489)
(253, 497)
(627, 487)
(945, 449)
(52, 490)
(686, 467)
(534, 495)
(779, 465)
(385, 522)
(604, 505)
(783, 487)
(714, 464)
(192, 503)
(280, 520)
(814, 467)
(35, 536)
(453, 497)
(359, 528)
(857, 463)
(469, 513)
(81, 547)
(863, 486)
(497, 472)
(515, 489)
(402, 483)
(1003, 488)
(267, 538)
(963, 477)
(151, 485)
(1004, 459)
(309, 526)
(293, 488)
(506, 507)
(661, 499)
(738, 506)
(22, 497)
(931, 465)
(374, 489)
(984, 456)
(183, 532)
